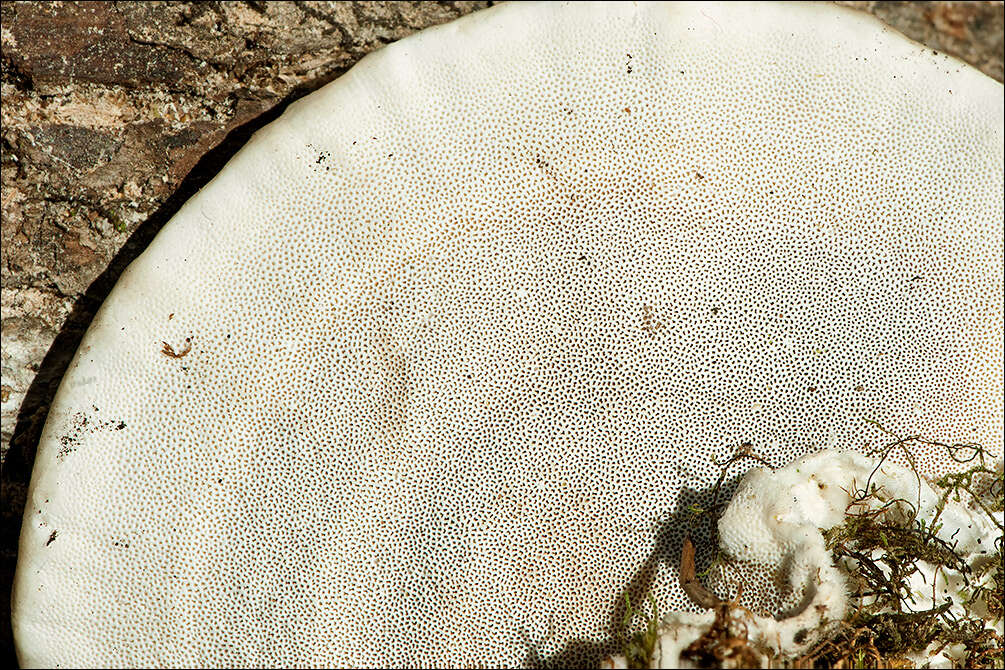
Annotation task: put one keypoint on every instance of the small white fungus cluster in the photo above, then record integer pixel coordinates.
(777, 519)
(423, 375)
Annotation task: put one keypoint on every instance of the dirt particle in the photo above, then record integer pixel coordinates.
(170, 352)
(68, 446)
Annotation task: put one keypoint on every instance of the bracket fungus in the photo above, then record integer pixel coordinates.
(424, 374)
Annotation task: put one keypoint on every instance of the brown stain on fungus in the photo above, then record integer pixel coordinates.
(649, 322)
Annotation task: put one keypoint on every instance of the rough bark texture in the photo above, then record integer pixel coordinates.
(115, 113)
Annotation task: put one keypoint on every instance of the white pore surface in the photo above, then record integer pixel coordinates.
(466, 325)
(777, 518)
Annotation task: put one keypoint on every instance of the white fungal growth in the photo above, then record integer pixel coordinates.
(421, 375)
(777, 518)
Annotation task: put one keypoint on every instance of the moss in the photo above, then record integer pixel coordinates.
(883, 543)
(639, 647)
